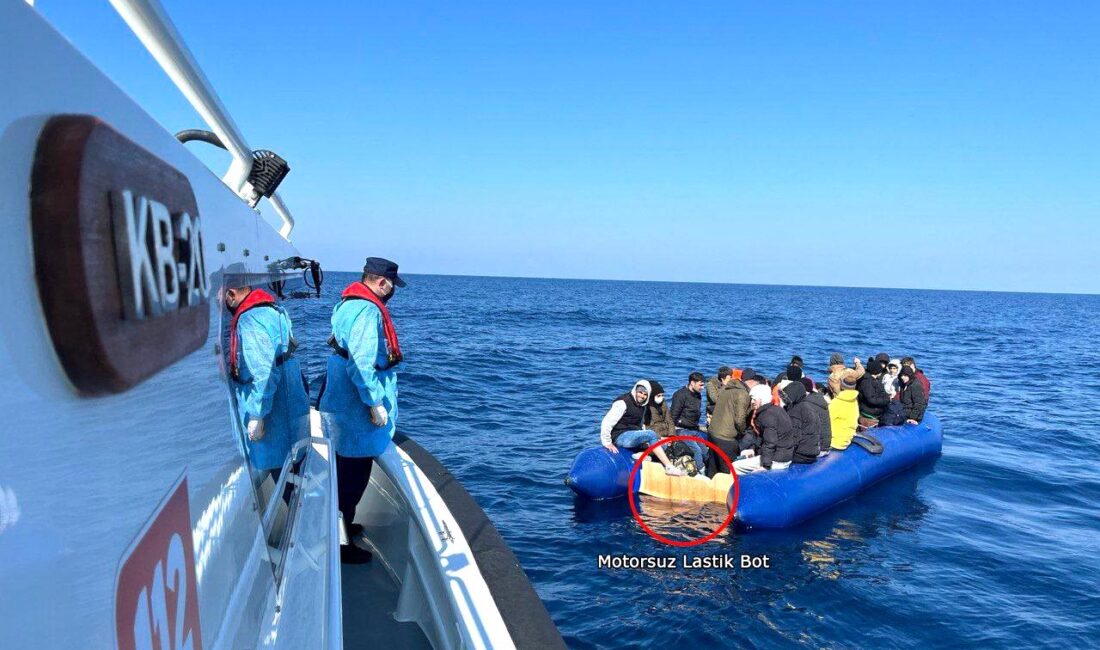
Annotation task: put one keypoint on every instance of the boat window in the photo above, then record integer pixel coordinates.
(268, 391)
(266, 375)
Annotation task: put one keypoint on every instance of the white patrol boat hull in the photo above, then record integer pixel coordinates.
(128, 516)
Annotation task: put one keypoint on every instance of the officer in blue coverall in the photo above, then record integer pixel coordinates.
(272, 402)
(359, 401)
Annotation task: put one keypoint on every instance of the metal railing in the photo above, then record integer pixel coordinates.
(149, 22)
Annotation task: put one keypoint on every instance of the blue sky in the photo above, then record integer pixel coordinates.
(935, 145)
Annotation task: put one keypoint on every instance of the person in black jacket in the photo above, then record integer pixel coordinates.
(775, 432)
(913, 399)
(685, 411)
(873, 399)
(821, 408)
(687, 403)
(804, 419)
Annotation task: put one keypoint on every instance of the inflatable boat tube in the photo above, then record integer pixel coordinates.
(599, 474)
(785, 498)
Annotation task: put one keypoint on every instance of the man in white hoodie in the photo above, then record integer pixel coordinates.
(625, 426)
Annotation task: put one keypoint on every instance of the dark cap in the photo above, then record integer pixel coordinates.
(794, 373)
(656, 387)
(383, 267)
(747, 374)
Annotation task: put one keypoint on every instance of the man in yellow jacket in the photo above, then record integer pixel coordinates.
(844, 411)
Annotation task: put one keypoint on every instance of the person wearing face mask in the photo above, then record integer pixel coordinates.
(664, 426)
(358, 402)
(272, 403)
(626, 425)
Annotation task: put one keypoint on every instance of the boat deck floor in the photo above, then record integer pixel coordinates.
(369, 599)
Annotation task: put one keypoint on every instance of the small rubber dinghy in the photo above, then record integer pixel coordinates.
(776, 499)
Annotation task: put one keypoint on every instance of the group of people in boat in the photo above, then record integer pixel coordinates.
(765, 424)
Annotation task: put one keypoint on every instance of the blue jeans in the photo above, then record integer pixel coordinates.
(698, 450)
(636, 439)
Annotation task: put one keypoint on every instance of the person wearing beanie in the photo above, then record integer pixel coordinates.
(913, 399)
(729, 423)
(775, 432)
(844, 412)
(804, 420)
(873, 399)
(821, 409)
(626, 425)
(786, 375)
(837, 370)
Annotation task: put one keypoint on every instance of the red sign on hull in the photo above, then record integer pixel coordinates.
(156, 599)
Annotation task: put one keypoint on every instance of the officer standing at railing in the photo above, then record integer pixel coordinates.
(359, 401)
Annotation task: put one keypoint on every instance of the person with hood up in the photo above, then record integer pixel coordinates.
(625, 424)
(844, 412)
(913, 399)
(272, 403)
(873, 399)
(728, 429)
(890, 378)
(803, 415)
(358, 402)
(660, 418)
(821, 408)
(837, 370)
(774, 429)
(919, 374)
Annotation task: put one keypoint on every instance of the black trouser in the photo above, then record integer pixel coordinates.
(352, 477)
(715, 464)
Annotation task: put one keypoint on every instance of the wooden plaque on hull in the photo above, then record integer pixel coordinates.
(118, 256)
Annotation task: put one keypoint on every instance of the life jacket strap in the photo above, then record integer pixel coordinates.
(343, 353)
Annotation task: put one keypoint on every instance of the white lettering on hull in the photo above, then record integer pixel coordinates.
(160, 260)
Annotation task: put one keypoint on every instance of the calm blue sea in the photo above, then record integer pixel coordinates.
(995, 545)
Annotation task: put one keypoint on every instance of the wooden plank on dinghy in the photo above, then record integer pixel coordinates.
(684, 488)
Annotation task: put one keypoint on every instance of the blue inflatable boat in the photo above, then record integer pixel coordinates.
(785, 498)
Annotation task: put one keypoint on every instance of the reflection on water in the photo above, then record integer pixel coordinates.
(681, 520)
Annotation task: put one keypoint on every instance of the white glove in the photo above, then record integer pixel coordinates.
(379, 416)
(256, 430)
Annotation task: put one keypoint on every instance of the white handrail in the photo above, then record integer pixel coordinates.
(149, 22)
(284, 214)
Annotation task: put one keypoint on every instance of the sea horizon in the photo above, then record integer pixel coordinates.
(739, 284)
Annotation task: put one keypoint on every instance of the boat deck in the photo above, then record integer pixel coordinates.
(369, 600)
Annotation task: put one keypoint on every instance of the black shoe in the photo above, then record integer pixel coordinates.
(352, 554)
(355, 530)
